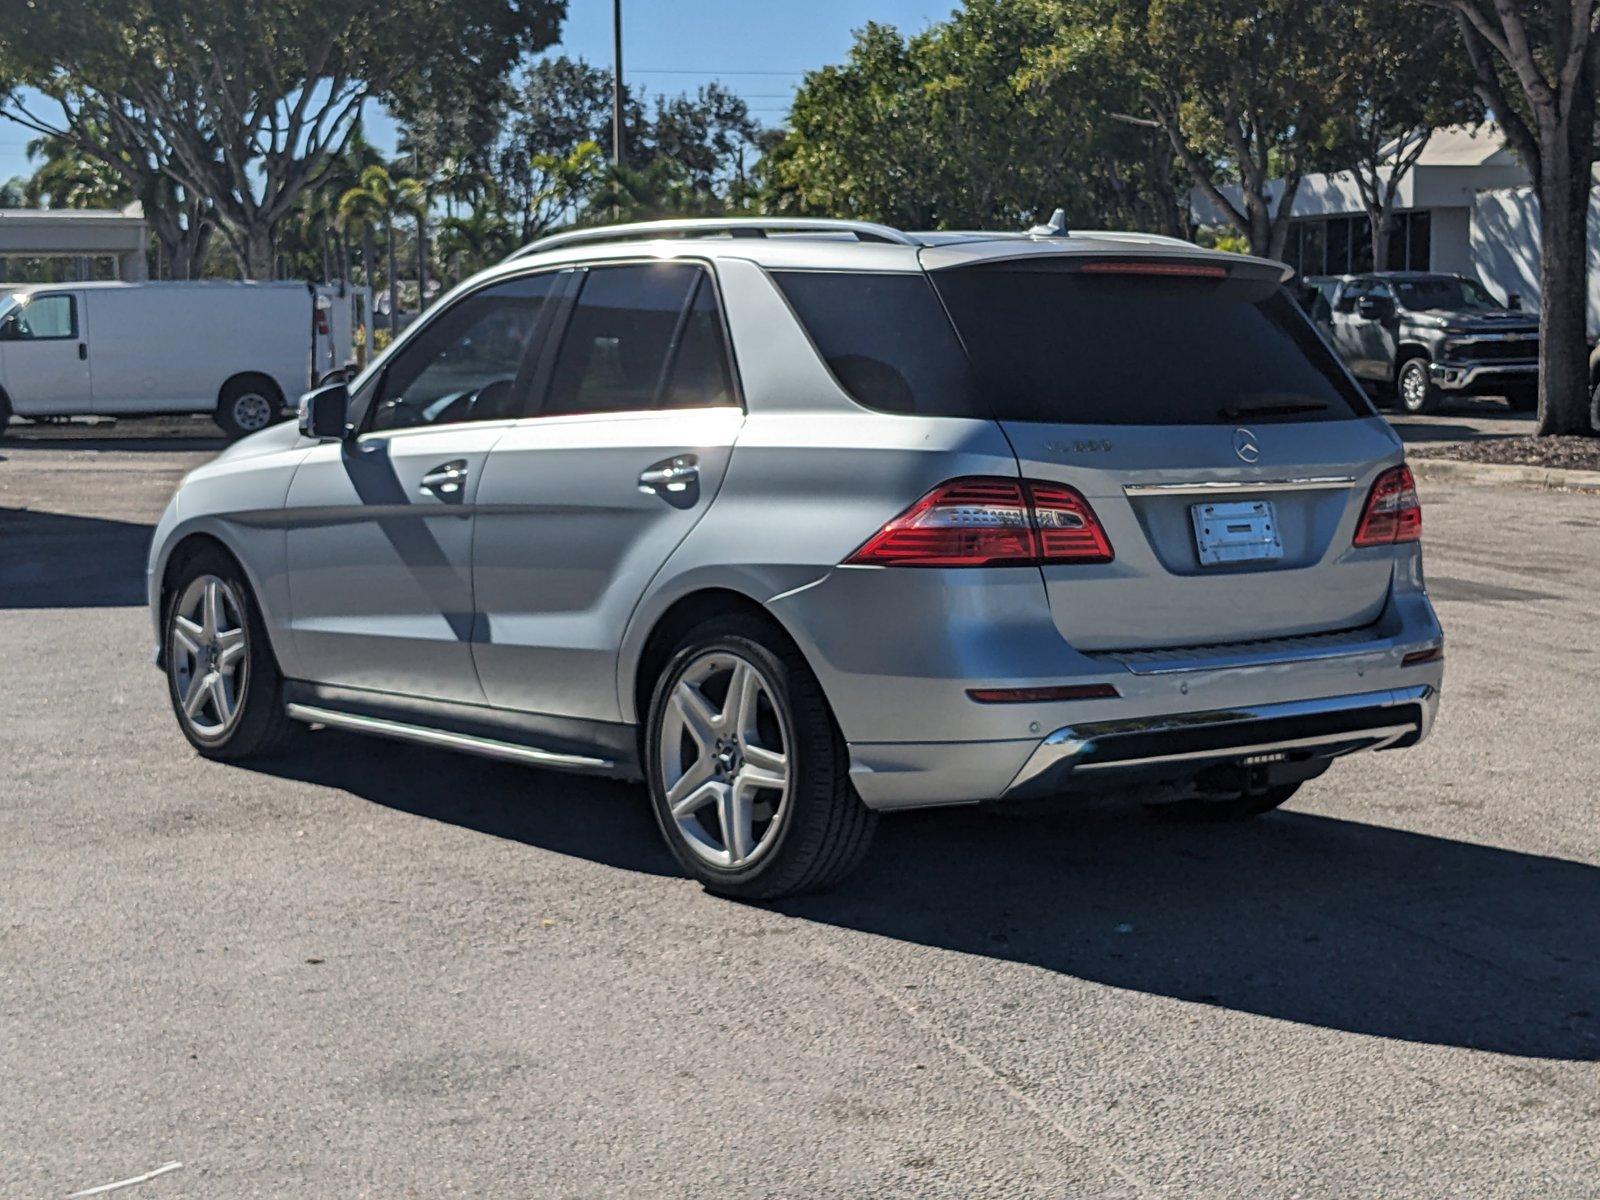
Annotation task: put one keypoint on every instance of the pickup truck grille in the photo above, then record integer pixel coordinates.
(1520, 348)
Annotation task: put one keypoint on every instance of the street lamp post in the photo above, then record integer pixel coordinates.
(616, 83)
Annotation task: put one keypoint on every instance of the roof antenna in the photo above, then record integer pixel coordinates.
(1055, 227)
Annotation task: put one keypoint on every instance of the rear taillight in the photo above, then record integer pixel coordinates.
(1393, 513)
(979, 522)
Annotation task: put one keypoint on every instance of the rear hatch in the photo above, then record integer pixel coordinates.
(1226, 453)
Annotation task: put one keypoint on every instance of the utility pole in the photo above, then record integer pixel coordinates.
(616, 83)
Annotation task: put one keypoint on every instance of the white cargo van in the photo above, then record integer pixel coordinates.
(242, 351)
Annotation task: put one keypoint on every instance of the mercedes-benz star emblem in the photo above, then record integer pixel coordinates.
(1246, 446)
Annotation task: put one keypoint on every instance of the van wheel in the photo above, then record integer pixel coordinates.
(5, 413)
(222, 678)
(247, 406)
(1417, 393)
(1204, 809)
(748, 774)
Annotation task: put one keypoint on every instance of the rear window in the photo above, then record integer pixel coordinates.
(886, 340)
(1058, 346)
(1049, 345)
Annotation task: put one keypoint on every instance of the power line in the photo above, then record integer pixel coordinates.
(686, 71)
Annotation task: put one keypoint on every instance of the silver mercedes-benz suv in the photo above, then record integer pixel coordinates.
(802, 521)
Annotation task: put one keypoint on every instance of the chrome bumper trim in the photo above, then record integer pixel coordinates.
(422, 735)
(1232, 487)
(1453, 377)
(1059, 754)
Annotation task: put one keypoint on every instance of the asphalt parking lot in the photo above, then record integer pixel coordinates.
(379, 970)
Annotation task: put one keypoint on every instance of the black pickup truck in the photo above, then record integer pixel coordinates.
(1421, 337)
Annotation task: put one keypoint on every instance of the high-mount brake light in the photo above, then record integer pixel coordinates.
(984, 522)
(1393, 513)
(1180, 270)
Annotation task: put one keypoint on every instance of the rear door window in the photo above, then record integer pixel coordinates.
(617, 346)
(700, 376)
(1052, 344)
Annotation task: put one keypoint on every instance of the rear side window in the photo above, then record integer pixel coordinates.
(1055, 345)
(885, 338)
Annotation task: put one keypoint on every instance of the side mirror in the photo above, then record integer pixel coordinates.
(1514, 302)
(324, 413)
(1375, 308)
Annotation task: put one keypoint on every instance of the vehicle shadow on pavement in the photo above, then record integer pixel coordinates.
(1301, 917)
(181, 443)
(1305, 918)
(56, 560)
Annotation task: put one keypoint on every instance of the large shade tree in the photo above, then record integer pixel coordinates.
(1536, 65)
(1248, 92)
(987, 119)
(246, 104)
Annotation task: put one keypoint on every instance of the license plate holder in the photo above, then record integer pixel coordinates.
(1242, 531)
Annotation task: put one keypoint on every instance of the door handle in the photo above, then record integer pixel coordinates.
(83, 350)
(671, 475)
(447, 479)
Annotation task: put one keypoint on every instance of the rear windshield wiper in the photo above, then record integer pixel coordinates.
(1239, 411)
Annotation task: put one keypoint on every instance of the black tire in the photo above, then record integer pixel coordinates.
(5, 414)
(823, 829)
(261, 728)
(248, 405)
(1205, 810)
(1416, 391)
(1523, 400)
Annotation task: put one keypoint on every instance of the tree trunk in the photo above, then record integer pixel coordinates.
(257, 261)
(394, 278)
(1563, 341)
(1381, 224)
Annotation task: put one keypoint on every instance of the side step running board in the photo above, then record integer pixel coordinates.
(488, 747)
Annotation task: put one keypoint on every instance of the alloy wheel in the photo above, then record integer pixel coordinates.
(208, 655)
(724, 759)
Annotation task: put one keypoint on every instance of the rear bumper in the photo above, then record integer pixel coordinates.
(1094, 754)
(1490, 377)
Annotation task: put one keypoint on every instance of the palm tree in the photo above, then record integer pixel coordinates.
(476, 240)
(380, 197)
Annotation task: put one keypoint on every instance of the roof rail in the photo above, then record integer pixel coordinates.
(866, 231)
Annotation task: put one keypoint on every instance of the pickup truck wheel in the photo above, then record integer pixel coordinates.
(1417, 393)
(1523, 399)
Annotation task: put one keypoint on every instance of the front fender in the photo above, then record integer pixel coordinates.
(237, 500)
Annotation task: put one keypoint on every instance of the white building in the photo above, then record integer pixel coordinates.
(78, 233)
(1467, 207)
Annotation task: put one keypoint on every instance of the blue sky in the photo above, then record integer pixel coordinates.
(759, 48)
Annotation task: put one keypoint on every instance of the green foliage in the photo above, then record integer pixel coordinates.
(245, 104)
(965, 125)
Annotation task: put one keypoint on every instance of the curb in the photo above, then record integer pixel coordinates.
(1505, 475)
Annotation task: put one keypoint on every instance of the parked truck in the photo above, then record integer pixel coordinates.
(1422, 337)
(243, 352)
